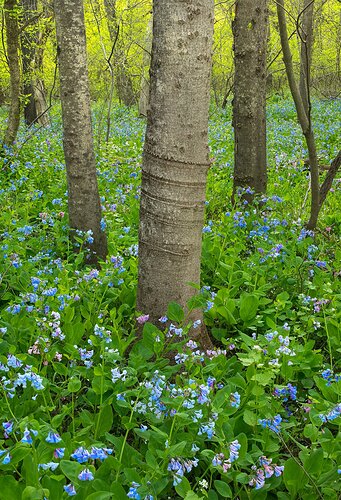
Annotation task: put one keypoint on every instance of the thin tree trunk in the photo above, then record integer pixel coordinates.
(144, 91)
(327, 184)
(124, 85)
(306, 37)
(83, 196)
(12, 41)
(28, 41)
(250, 29)
(176, 155)
(303, 118)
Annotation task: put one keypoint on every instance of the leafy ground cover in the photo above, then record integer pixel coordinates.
(257, 417)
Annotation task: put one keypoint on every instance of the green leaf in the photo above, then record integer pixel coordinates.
(223, 489)
(100, 495)
(71, 469)
(313, 462)
(212, 495)
(263, 378)
(9, 488)
(177, 449)
(183, 488)
(32, 493)
(192, 496)
(248, 307)
(294, 477)
(226, 314)
(118, 490)
(250, 418)
(105, 420)
(74, 384)
(175, 312)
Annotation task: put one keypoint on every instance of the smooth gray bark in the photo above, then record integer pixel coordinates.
(250, 29)
(12, 45)
(83, 196)
(176, 155)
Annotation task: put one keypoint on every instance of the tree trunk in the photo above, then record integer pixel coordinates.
(33, 41)
(12, 40)
(176, 155)
(303, 118)
(327, 184)
(83, 196)
(306, 37)
(28, 41)
(124, 85)
(144, 91)
(250, 29)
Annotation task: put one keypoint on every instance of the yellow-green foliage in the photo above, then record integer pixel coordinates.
(133, 17)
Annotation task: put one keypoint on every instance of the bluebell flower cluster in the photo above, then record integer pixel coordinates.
(265, 470)
(333, 414)
(286, 393)
(179, 467)
(272, 424)
(329, 376)
(221, 460)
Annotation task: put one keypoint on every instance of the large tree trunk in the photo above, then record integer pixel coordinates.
(12, 42)
(250, 29)
(176, 155)
(83, 196)
(306, 37)
(124, 84)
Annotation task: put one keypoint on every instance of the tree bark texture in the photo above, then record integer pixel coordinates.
(144, 90)
(306, 37)
(124, 84)
(250, 29)
(12, 45)
(33, 42)
(176, 155)
(83, 197)
(28, 42)
(303, 118)
(328, 181)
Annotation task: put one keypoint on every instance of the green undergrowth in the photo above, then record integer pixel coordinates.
(256, 417)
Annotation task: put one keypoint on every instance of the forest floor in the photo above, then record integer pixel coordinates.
(259, 417)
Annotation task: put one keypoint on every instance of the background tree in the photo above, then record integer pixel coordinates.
(124, 84)
(83, 196)
(144, 88)
(176, 155)
(250, 30)
(303, 113)
(12, 44)
(28, 39)
(34, 31)
(305, 32)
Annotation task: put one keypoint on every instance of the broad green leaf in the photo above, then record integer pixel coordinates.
(74, 384)
(223, 488)
(294, 476)
(248, 307)
(100, 495)
(175, 312)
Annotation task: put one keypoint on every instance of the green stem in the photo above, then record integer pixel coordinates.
(101, 395)
(125, 440)
(328, 340)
